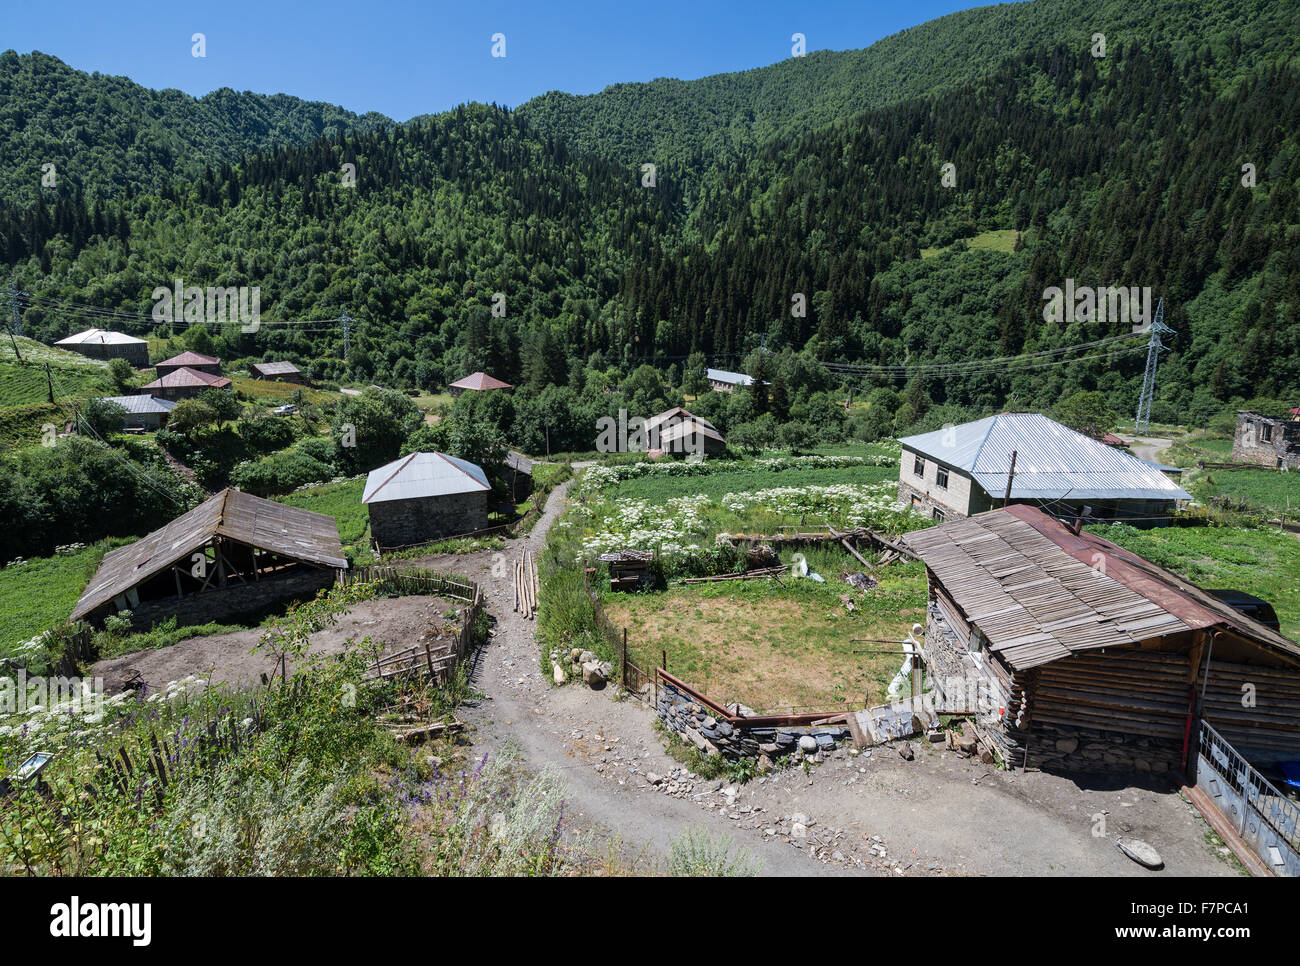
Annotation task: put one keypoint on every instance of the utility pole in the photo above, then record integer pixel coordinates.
(49, 381)
(347, 322)
(1143, 420)
(1010, 476)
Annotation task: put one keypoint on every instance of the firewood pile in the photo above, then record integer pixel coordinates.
(527, 585)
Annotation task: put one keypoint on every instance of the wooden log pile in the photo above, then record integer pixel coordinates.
(527, 585)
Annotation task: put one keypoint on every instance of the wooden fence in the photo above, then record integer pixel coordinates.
(631, 676)
(436, 659)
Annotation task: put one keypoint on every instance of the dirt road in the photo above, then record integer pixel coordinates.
(939, 814)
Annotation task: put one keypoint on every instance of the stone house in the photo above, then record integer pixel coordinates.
(184, 383)
(423, 497)
(1267, 440)
(962, 470)
(107, 345)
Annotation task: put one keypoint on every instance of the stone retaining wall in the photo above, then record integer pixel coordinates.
(694, 722)
(232, 600)
(1059, 748)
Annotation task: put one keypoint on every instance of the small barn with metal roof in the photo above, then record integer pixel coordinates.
(235, 553)
(423, 497)
(278, 372)
(1027, 458)
(146, 412)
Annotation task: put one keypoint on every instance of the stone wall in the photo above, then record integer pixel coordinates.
(1059, 748)
(694, 722)
(405, 523)
(1281, 448)
(233, 600)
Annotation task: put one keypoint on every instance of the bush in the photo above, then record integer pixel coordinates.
(696, 853)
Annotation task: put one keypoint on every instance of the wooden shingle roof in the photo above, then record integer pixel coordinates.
(265, 524)
(1040, 592)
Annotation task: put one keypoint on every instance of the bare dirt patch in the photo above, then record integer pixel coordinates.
(767, 652)
(393, 623)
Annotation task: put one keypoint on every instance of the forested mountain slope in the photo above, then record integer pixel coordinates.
(109, 137)
(687, 125)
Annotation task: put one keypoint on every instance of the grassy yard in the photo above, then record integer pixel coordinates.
(774, 647)
(1260, 488)
(270, 393)
(40, 592)
(1262, 562)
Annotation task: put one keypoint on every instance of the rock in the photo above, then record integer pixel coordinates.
(586, 657)
(764, 764)
(769, 748)
(1067, 745)
(825, 742)
(575, 654)
(593, 674)
(557, 673)
(799, 818)
(1140, 852)
(808, 744)
(936, 736)
(905, 751)
(798, 831)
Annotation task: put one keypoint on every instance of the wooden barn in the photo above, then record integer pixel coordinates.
(679, 432)
(234, 554)
(1080, 656)
(424, 496)
(279, 372)
(519, 469)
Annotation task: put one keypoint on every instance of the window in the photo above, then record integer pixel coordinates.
(1266, 432)
(918, 466)
(941, 477)
(938, 515)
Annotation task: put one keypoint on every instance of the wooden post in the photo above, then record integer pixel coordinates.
(625, 657)
(1010, 476)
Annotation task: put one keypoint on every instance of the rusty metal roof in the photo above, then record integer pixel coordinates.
(265, 524)
(1040, 592)
(185, 376)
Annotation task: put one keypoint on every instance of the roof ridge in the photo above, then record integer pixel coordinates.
(450, 461)
(404, 465)
(976, 458)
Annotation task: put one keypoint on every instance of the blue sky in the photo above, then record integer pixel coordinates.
(406, 58)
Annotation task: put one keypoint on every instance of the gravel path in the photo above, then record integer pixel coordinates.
(570, 728)
(872, 813)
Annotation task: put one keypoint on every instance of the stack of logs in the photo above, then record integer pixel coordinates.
(526, 585)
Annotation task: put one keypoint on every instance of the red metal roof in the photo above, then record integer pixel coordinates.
(185, 376)
(191, 359)
(480, 381)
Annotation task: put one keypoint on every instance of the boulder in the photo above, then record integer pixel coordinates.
(1140, 852)
(586, 657)
(808, 744)
(557, 673)
(593, 674)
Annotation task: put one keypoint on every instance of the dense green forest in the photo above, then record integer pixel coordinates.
(108, 137)
(1120, 170)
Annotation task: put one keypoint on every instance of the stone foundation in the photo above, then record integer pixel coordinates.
(233, 600)
(1058, 748)
(695, 723)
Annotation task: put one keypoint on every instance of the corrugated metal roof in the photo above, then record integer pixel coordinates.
(1040, 592)
(735, 378)
(190, 358)
(480, 381)
(141, 404)
(275, 368)
(1052, 461)
(185, 376)
(423, 475)
(100, 337)
(286, 530)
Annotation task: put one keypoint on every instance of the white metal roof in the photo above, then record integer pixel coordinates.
(141, 403)
(1052, 461)
(735, 378)
(421, 475)
(100, 337)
